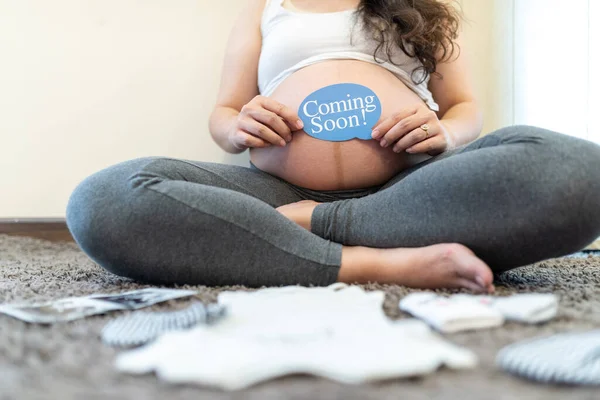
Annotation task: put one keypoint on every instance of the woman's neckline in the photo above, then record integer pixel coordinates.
(296, 11)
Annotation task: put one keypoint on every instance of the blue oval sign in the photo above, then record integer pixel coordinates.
(340, 112)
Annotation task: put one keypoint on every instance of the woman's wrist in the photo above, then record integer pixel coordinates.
(459, 132)
(221, 126)
(462, 123)
(448, 134)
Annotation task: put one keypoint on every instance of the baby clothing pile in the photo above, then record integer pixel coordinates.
(339, 332)
(568, 358)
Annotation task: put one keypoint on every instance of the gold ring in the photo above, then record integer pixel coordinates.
(425, 127)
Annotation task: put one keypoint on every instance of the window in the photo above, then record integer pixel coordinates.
(557, 62)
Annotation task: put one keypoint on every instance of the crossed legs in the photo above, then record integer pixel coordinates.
(516, 196)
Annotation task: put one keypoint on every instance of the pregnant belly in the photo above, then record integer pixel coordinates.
(322, 165)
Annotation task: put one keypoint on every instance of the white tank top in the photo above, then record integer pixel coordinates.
(294, 40)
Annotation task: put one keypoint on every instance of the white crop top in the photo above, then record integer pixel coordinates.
(294, 40)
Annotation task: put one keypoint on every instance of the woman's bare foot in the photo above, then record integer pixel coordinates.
(299, 212)
(445, 265)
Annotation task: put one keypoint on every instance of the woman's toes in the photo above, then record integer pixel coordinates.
(469, 268)
(468, 284)
(478, 272)
(484, 276)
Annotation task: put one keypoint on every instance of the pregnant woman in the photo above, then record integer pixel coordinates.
(419, 202)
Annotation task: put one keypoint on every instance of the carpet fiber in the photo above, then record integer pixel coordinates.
(68, 360)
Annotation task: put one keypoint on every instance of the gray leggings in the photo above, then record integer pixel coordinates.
(515, 196)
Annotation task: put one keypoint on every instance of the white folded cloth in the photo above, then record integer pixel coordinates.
(462, 312)
(339, 332)
(529, 308)
(449, 315)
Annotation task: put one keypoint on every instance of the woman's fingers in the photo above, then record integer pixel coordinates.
(261, 131)
(274, 122)
(413, 137)
(384, 126)
(402, 129)
(263, 122)
(432, 146)
(243, 140)
(283, 111)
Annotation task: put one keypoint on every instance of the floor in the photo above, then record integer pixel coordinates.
(68, 361)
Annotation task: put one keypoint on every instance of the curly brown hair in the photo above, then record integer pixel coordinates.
(423, 29)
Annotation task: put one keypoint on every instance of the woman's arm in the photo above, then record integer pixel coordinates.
(242, 118)
(458, 121)
(459, 112)
(239, 74)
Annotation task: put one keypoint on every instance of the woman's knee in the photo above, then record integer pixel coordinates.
(567, 169)
(586, 177)
(540, 137)
(543, 144)
(563, 169)
(100, 210)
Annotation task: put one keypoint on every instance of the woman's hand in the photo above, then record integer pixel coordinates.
(264, 122)
(404, 132)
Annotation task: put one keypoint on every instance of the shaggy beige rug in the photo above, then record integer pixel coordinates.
(68, 360)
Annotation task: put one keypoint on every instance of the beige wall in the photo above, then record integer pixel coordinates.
(86, 84)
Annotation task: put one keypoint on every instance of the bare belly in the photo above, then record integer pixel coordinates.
(323, 165)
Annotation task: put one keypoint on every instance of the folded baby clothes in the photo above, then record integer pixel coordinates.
(142, 327)
(572, 358)
(530, 308)
(449, 314)
(461, 312)
(338, 332)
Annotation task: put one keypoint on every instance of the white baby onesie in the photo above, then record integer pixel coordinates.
(338, 332)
